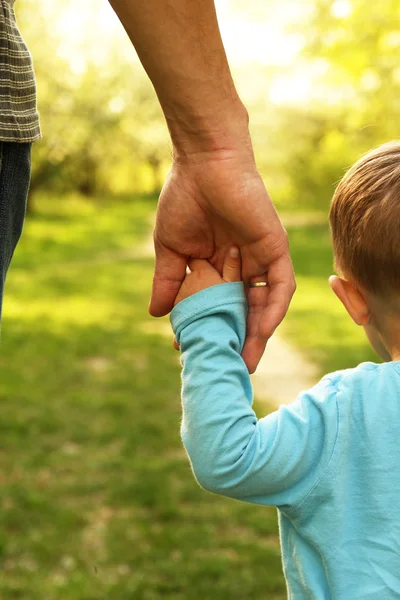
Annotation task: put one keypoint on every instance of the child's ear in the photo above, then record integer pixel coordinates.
(351, 298)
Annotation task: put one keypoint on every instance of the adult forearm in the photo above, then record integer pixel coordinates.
(180, 47)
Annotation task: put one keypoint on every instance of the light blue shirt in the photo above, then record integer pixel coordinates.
(330, 461)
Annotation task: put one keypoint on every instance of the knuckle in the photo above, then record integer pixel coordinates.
(293, 287)
(278, 246)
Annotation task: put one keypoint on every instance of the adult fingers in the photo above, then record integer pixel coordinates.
(252, 352)
(267, 308)
(231, 270)
(255, 344)
(282, 286)
(169, 272)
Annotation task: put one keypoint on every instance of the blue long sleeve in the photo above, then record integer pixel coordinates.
(330, 461)
(275, 460)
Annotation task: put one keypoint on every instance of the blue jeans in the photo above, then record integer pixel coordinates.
(15, 172)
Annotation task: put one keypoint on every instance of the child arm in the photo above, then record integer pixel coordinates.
(276, 460)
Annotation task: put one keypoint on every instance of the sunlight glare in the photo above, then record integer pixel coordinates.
(341, 9)
(89, 32)
(290, 89)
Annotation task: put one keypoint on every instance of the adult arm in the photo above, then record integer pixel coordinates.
(214, 195)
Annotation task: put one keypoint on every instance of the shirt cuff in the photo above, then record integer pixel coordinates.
(207, 302)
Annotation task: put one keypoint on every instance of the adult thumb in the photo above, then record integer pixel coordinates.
(169, 272)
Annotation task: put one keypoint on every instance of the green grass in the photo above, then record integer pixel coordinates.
(317, 322)
(98, 500)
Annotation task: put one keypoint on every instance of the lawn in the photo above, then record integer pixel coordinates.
(317, 322)
(98, 500)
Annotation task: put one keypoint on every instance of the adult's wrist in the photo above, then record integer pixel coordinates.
(221, 128)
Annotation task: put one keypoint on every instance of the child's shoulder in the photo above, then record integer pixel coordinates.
(340, 384)
(362, 370)
(365, 376)
(362, 375)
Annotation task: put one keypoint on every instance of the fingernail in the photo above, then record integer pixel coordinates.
(234, 252)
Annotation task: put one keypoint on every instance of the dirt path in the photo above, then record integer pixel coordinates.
(283, 372)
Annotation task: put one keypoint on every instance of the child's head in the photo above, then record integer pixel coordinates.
(365, 226)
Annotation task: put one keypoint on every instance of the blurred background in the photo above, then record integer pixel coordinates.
(98, 500)
(320, 79)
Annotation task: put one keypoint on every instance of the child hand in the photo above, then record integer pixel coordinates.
(203, 275)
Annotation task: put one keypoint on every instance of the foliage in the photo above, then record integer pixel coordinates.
(350, 54)
(103, 127)
(354, 46)
(104, 130)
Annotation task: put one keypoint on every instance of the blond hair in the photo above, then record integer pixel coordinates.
(365, 221)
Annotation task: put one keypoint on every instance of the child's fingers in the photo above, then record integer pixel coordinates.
(198, 264)
(232, 265)
(175, 344)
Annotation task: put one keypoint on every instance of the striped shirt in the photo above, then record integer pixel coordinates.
(19, 118)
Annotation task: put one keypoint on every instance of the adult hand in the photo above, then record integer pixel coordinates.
(209, 202)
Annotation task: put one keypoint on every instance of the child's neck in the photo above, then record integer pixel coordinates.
(383, 328)
(388, 332)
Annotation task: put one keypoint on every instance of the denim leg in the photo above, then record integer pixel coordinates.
(15, 171)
